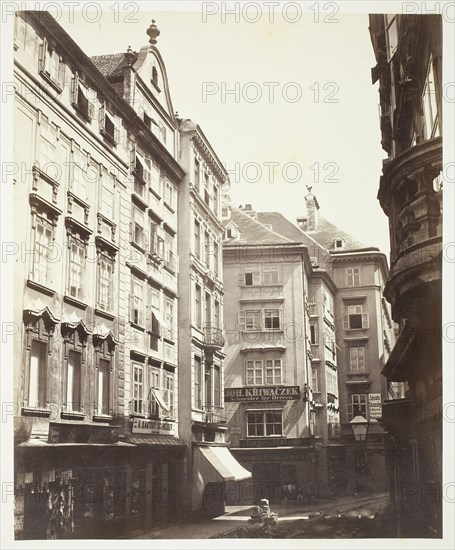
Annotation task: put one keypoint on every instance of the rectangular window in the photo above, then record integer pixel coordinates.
(197, 170)
(170, 194)
(254, 374)
(253, 319)
(50, 62)
(272, 319)
(208, 309)
(197, 383)
(169, 318)
(137, 302)
(105, 281)
(197, 238)
(168, 394)
(48, 145)
(313, 333)
(315, 379)
(107, 195)
(430, 108)
(355, 318)
(207, 250)
(154, 382)
(104, 370)
(138, 236)
(37, 383)
(108, 127)
(252, 276)
(270, 275)
(80, 101)
(169, 260)
(79, 173)
(139, 406)
(155, 298)
(216, 314)
(44, 233)
(358, 405)
(216, 257)
(198, 306)
(268, 371)
(273, 371)
(73, 381)
(353, 276)
(264, 423)
(217, 387)
(76, 270)
(357, 359)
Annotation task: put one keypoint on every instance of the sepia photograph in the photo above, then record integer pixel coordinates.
(227, 279)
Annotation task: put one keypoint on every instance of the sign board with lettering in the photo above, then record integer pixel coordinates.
(82, 433)
(374, 406)
(262, 393)
(155, 427)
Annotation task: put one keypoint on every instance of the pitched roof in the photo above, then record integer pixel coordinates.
(253, 231)
(111, 65)
(327, 232)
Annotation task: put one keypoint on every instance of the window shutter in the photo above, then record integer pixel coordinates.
(365, 320)
(101, 116)
(256, 277)
(74, 88)
(42, 55)
(242, 320)
(116, 134)
(241, 278)
(91, 110)
(132, 157)
(346, 322)
(61, 72)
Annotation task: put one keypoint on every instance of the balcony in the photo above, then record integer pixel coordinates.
(214, 414)
(413, 205)
(213, 337)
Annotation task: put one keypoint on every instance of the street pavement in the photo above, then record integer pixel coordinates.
(237, 516)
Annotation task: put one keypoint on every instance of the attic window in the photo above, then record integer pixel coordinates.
(231, 233)
(155, 77)
(339, 243)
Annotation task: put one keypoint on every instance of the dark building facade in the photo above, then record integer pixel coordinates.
(408, 52)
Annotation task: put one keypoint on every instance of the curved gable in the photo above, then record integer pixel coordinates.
(150, 67)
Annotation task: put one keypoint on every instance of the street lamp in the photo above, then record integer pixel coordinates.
(359, 426)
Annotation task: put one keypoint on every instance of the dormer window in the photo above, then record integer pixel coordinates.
(339, 243)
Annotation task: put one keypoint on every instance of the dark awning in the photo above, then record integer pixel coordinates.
(159, 440)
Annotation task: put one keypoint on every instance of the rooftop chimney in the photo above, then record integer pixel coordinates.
(248, 209)
(312, 208)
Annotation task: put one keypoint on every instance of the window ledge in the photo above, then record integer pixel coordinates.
(102, 418)
(74, 301)
(169, 207)
(139, 200)
(47, 77)
(41, 288)
(136, 326)
(138, 246)
(103, 313)
(31, 411)
(72, 415)
(138, 415)
(108, 137)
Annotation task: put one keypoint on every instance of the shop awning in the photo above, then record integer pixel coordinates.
(159, 398)
(163, 440)
(225, 466)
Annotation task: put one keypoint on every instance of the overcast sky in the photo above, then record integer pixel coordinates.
(306, 112)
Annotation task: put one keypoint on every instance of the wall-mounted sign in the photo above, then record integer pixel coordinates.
(145, 426)
(374, 406)
(82, 433)
(262, 393)
(235, 429)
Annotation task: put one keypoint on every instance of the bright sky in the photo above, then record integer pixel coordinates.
(278, 135)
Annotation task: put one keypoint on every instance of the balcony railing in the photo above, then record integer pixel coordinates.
(146, 408)
(214, 414)
(213, 337)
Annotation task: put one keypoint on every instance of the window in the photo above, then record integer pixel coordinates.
(44, 232)
(73, 382)
(430, 108)
(264, 423)
(169, 195)
(313, 333)
(197, 238)
(272, 319)
(215, 200)
(77, 253)
(339, 243)
(156, 241)
(268, 371)
(79, 180)
(270, 275)
(48, 145)
(208, 309)
(353, 276)
(217, 387)
(107, 195)
(137, 302)
(391, 31)
(138, 234)
(169, 252)
(105, 281)
(155, 298)
(197, 171)
(139, 406)
(198, 306)
(315, 379)
(358, 406)
(253, 320)
(37, 383)
(254, 374)
(216, 257)
(355, 318)
(225, 212)
(50, 64)
(252, 276)
(104, 369)
(216, 314)
(169, 318)
(206, 248)
(357, 359)
(80, 101)
(154, 383)
(168, 394)
(108, 128)
(197, 383)
(331, 382)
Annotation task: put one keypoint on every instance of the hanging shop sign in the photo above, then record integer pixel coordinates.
(374, 406)
(150, 427)
(262, 393)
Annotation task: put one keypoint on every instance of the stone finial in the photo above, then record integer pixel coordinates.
(153, 31)
(129, 56)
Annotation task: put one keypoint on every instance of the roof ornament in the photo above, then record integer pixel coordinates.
(153, 32)
(309, 188)
(129, 56)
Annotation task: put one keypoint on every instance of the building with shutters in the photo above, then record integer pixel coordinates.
(408, 51)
